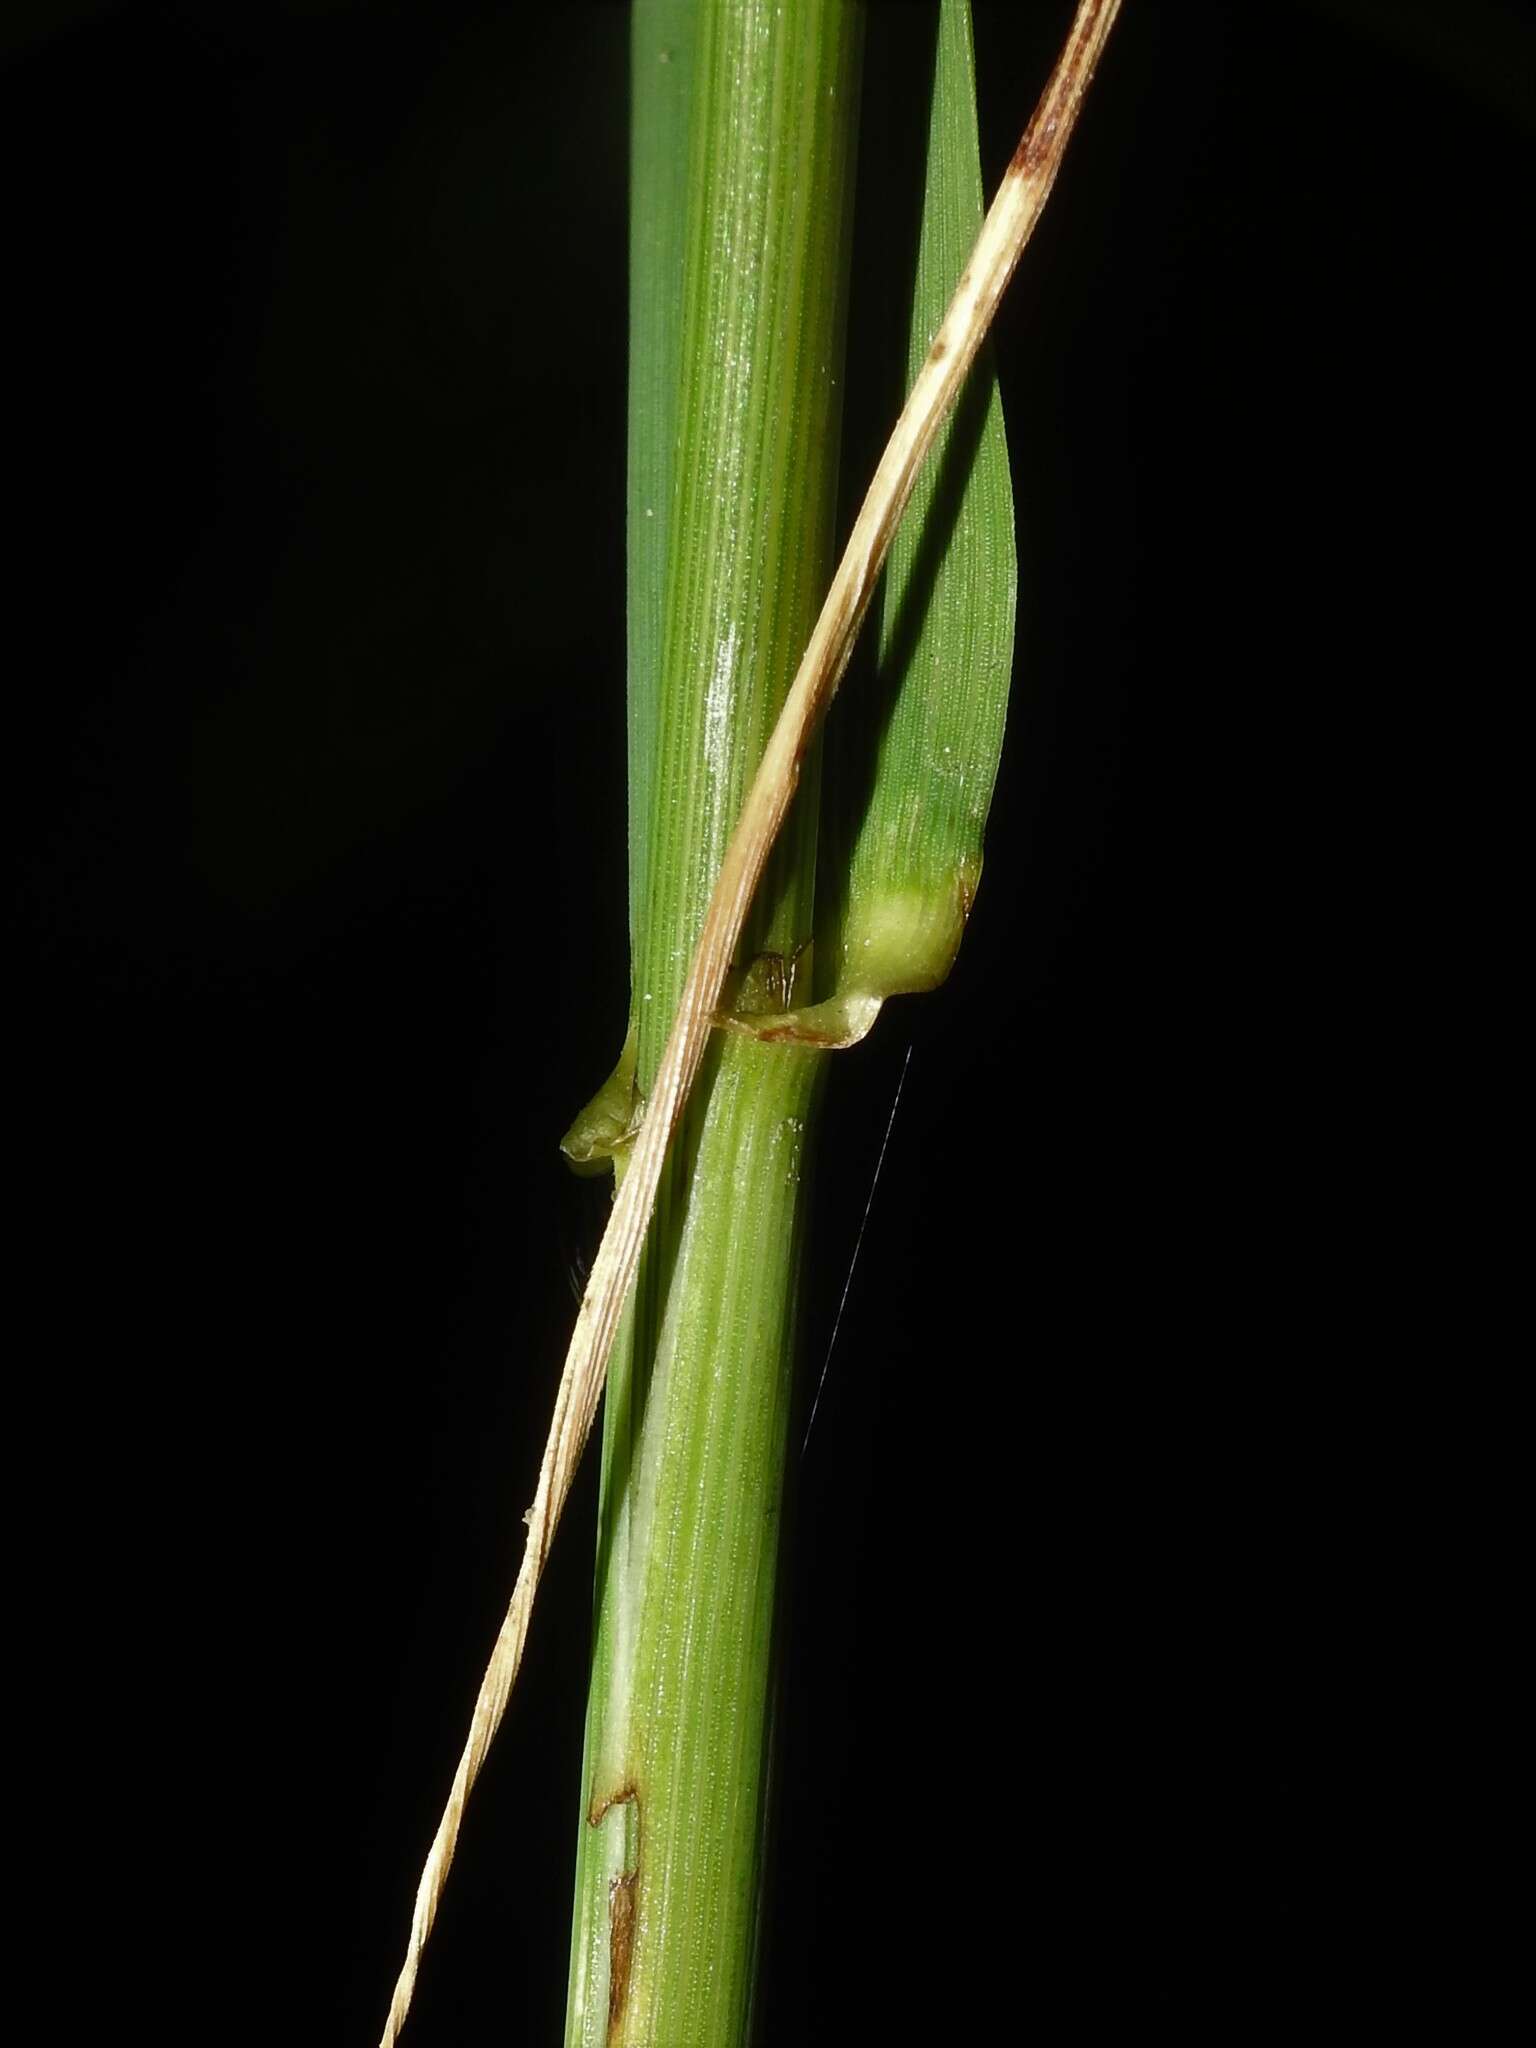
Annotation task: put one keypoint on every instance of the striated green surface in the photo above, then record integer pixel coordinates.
(764, 279)
(662, 37)
(913, 806)
(736, 463)
(684, 1754)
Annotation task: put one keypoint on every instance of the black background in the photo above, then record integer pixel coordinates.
(315, 420)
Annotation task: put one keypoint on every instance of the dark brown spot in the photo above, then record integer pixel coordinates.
(939, 351)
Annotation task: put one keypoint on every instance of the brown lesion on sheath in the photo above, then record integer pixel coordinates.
(597, 1811)
(796, 1034)
(622, 1892)
(621, 1945)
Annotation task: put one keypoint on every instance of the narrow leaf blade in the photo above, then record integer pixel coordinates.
(915, 820)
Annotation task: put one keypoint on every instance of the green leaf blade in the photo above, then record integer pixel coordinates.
(914, 823)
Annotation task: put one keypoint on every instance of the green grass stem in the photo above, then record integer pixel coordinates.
(736, 462)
